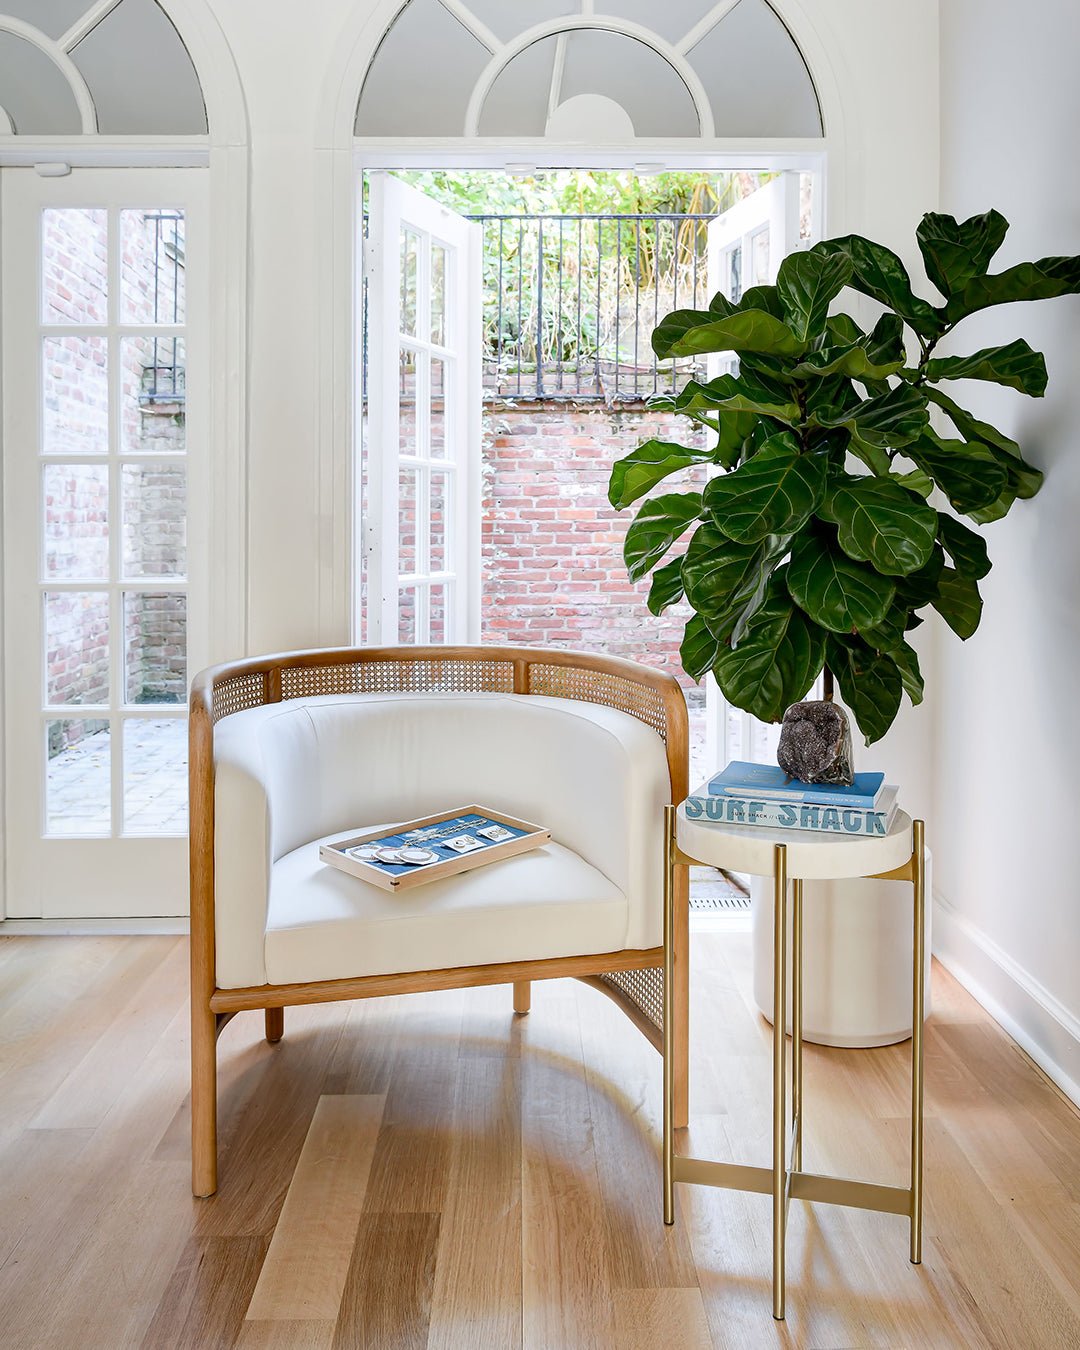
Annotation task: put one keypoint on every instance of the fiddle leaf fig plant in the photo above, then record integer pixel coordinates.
(818, 545)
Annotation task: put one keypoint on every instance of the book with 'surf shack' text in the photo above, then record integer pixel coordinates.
(719, 809)
(756, 781)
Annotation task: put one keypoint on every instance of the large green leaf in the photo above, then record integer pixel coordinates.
(666, 587)
(699, 647)
(919, 588)
(1016, 365)
(954, 252)
(966, 548)
(1023, 479)
(1042, 280)
(966, 471)
(806, 284)
(870, 684)
(720, 304)
(777, 660)
(775, 491)
(907, 661)
(742, 393)
(751, 330)
(888, 421)
(871, 356)
(762, 297)
(837, 592)
(656, 527)
(877, 271)
(958, 602)
(881, 523)
(649, 464)
(723, 577)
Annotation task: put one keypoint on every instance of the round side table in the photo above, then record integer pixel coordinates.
(801, 856)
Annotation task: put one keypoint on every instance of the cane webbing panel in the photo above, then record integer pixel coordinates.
(240, 692)
(435, 676)
(644, 988)
(595, 686)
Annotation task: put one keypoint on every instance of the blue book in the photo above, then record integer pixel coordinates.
(772, 814)
(770, 782)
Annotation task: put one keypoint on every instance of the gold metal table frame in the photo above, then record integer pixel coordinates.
(785, 1179)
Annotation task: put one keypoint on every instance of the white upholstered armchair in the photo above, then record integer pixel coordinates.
(289, 751)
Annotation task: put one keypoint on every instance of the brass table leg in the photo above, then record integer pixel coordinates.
(669, 1014)
(797, 1099)
(917, 1013)
(779, 1147)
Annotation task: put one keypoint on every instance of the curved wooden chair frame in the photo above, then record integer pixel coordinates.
(632, 978)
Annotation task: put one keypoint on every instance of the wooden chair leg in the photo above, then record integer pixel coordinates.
(203, 1100)
(522, 995)
(275, 1024)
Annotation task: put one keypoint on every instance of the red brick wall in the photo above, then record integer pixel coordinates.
(553, 573)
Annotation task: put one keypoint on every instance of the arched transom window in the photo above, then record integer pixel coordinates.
(595, 70)
(115, 67)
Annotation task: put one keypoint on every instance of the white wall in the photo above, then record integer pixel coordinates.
(1008, 714)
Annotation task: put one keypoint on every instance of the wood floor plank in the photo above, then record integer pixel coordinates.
(203, 1306)
(672, 1318)
(387, 1299)
(305, 1269)
(566, 1265)
(291, 1335)
(86, 1094)
(477, 1290)
(625, 1105)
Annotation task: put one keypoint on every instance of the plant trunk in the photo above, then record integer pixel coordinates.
(827, 685)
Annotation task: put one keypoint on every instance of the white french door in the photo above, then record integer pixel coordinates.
(104, 534)
(746, 246)
(421, 531)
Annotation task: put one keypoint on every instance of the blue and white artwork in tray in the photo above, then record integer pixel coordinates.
(433, 847)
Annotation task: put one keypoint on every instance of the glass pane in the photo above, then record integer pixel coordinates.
(438, 521)
(76, 505)
(155, 647)
(407, 402)
(77, 777)
(152, 266)
(438, 294)
(154, 504)
(760, 259)
(152, 408)
(439, 603)
(76, 647)
(74, 265)
(410, 246)
(408, 481)
(407, 614)
(155, 775)
(438, 409)
(75, 390)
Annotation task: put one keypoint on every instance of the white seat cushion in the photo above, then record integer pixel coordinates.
(323, 924)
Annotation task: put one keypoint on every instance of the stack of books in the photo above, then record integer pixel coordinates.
(763, 794)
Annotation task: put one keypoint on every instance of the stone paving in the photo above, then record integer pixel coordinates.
(155, 781)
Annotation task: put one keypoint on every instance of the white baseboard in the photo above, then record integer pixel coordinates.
(1038, 1022)
(93, 927)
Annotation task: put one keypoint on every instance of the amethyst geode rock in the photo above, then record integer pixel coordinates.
(815, 744)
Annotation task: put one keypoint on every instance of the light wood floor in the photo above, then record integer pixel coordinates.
(431, 1171)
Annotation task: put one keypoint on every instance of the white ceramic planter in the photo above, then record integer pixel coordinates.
(856, 958)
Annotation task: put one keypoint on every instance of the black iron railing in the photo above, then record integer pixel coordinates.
(164, 376)
(570, 302)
